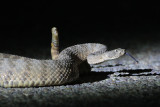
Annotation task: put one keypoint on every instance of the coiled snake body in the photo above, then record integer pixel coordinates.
(17, 71)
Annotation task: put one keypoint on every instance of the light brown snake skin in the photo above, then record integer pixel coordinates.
(17, 71)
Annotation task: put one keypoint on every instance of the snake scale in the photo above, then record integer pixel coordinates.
(18, 71)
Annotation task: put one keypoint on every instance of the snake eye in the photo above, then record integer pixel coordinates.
(116, 50)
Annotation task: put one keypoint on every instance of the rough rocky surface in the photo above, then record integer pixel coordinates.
(120, 82)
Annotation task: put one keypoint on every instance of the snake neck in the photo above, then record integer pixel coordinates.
(79, 53)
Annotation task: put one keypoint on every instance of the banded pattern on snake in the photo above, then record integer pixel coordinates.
(17, 71)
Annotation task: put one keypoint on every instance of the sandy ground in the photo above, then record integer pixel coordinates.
(132, 85)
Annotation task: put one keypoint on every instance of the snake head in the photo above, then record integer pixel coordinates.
(102, 57)
(119, 52)
(116, 53)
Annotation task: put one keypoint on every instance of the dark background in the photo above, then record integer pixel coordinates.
(28, 24)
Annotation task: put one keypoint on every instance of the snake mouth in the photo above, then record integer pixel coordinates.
(126, 53)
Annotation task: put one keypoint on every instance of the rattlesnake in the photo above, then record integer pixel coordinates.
(17, 71)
